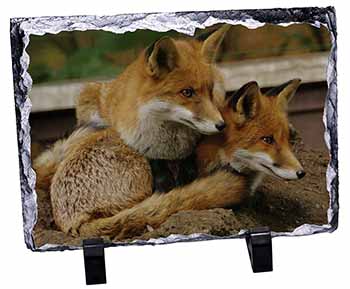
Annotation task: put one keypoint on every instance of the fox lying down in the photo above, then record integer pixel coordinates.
(159, 105)
(104, 187)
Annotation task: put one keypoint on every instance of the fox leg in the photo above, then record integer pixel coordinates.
(222, 189)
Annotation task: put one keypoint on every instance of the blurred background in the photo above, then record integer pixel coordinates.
(60, 64)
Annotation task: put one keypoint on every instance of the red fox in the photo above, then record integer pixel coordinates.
(104, 188)
(162, 101)
(158, 106)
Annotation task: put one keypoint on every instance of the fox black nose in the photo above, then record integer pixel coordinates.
(220, 126)
(301, 174)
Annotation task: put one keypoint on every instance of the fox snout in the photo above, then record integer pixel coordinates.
(207, 118)
(206, 126)
(204, 118)
(289, 174)
(290, 170)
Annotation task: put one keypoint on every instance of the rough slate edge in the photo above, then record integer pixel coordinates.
(185, 22)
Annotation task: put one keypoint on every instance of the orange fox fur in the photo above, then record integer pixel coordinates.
(163, 100)
(158, 106)
(104, 187)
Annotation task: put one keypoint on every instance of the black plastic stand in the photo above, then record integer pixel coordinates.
(94, 260)
(259, 243)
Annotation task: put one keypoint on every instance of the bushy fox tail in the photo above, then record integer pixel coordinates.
(222, 189)
(46, 164)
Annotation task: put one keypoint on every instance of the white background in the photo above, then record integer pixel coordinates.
(319, 261)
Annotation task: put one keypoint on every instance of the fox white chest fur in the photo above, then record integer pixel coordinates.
(157, 137)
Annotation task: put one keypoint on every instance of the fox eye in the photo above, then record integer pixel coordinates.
(188, 92)
(268, 139)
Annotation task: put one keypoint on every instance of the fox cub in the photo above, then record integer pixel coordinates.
(104, 188)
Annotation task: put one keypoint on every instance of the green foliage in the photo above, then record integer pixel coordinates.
(88, 54)
(85, 63)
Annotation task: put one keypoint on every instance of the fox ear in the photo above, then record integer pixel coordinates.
(245, 101)
(212, 43)
(285, 92)
(161, 57)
